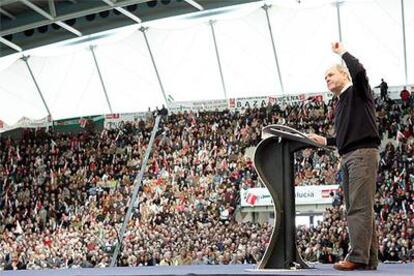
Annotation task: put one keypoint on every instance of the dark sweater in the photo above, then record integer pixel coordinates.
(355, 121)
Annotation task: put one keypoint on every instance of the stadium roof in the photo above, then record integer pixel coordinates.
(105, 56)
(26, 24)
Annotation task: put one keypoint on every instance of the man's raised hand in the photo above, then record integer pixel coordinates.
(338, 48)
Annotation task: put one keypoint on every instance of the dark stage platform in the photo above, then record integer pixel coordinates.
(228, 270)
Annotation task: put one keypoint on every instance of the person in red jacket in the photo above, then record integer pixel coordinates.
(405, 95)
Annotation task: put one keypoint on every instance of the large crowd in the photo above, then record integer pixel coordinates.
(64, 196)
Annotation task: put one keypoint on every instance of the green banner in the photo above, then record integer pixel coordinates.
(79, 123)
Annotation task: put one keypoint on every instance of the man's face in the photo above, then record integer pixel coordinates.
(335, 80)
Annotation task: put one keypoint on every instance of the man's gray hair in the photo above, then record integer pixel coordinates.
(342, 69)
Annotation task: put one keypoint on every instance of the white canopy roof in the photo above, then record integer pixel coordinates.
(185, 56)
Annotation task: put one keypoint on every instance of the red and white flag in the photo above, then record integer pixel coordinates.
(400, 136)
(251, 198)
(18, 154)
(83, 122)
(112, 116)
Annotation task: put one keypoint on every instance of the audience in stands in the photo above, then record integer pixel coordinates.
(64, 197)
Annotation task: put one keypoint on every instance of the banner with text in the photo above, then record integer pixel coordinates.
(304, 195)
(25, 122)
(73, 123)
(263, 101)
(115, 120)
(209, 105)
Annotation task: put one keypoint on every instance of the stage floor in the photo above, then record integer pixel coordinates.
(227, 270)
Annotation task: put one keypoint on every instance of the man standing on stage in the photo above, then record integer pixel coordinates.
(357, 140)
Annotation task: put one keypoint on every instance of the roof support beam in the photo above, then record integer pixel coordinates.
(404, 42)
(7, 2)
(223, 84)
(50, 17)
(52, 8)
(338, 17)
(100, 77)
(279, 74)
(26, 60)
(143, 30)
(123, 11)
(68, 28)
(195, 4)
(6, 13)
(11, 44)
(69, 16)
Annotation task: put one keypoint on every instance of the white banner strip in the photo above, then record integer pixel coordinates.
(304, 195)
